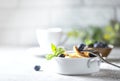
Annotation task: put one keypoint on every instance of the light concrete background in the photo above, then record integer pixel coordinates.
(20, 18)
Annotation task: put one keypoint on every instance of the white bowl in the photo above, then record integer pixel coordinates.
(74, 66)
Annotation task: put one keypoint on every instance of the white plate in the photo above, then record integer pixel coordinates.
(38, 51)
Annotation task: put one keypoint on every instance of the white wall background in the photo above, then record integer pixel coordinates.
(20, 18)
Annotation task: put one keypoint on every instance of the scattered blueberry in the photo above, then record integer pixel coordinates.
(81, 47)
(100, 45)
(91, 55)
(37, 68)
(61, 55)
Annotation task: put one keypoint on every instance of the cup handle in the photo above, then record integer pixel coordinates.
(63, 39)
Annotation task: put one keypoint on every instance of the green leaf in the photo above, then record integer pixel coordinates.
(60, 51)
(56, 51)
(53, 47)
(49, 56)
(117, 26)
(73, 33)
(87, 41)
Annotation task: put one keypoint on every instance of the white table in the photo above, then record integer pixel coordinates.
(17, 64)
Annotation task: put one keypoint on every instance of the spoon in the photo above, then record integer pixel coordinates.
(96, 53)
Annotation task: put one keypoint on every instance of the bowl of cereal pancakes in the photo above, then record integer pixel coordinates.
(102, 47)
(73, 62)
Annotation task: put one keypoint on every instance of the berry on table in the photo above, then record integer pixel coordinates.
(37, 68)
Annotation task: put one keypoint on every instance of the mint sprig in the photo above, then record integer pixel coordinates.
(55, 52)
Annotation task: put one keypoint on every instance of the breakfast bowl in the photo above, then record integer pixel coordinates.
(102, 47)
(79, 61)
(74, 66)
(104, 51)
(74, 62)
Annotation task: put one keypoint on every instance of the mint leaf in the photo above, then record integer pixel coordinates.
(56, 51)
(59, 51)
(53, 47)
(49, 56)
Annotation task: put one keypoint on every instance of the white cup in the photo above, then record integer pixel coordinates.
(51, 35)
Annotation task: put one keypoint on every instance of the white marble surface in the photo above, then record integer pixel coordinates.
(17, 64)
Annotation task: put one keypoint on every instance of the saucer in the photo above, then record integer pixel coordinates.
(37, 51)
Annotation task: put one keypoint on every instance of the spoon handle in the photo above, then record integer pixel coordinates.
(107, 61)
(100, 56)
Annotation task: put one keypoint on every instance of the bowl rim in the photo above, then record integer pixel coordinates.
(84, 58)
(109, 47)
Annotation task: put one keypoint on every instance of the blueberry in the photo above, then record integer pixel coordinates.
(96, 45)
(61, 55)
(81, 47)
(91, 55)
(37, 68)
(100, 45)
(105, 45)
